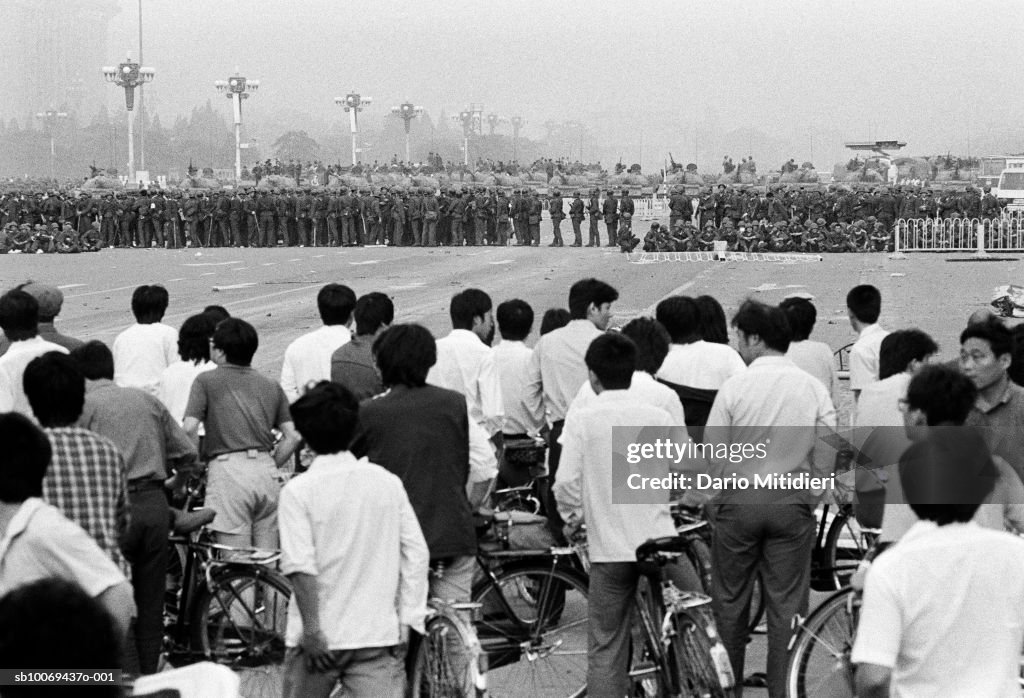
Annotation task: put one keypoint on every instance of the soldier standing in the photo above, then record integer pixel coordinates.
(536, 209)
(484, 214)
(576, 210)
(502, 207)
(626, 206)
(557, 215)
(611, 218)
(456, 211)
(431, 210)
(319, 216)
(414, 213)
(594, 209)
(172, 220)
(347, 206)
(371, 216)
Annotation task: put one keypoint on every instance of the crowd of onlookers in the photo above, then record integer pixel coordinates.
(405, 435)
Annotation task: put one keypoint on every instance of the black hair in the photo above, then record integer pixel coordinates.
(651, 340)
(194, 338)
(515, 319)
(948, 475)
(19, 315)
(55, 388)
(326, 417)
(944, 394)
(993, 331)
(149, 303)
(373, 311)
(612, 358)
(711, 322)
(217, 312)
(801, 315)
(679, 316)
(588, 291)
(237, 339)
(404, 355)
(553, 319)
(865, 302)
(335, 303)
(467, 305)
(53, 623)
(94, 360)
(26, 456)
(766, 321)
(901, 347)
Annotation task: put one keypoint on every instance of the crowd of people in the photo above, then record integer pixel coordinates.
(406, 434)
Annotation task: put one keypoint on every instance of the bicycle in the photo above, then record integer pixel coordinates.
(448, 661)
(676, 649)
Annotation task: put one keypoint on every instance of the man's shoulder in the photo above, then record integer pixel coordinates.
(75, 438)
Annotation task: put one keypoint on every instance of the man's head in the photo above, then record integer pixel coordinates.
(611, 361)
(679, 315)
(801, 315)
(19, 315)
(762, 330)
(905, 350)
(217, 312)
(335, 303)
(404, 355)
(149, 303)
(986, 351)
(863, 306)
(947, 475)
(374, 311)
(326, 416)
(50, 299)
(936, 395)
(553, 319)
(515, 320)
(55, 387)
(194, 338)
(651, 340)
(472, 310)
(26, 456)
(234, 342)
(591, 299)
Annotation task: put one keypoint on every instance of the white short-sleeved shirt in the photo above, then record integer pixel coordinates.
(308, 358)
(643, 388)
(142, 352)
(12, 372)
(816, 359)
(466, 365)
(40, 542)
(702, 365)
(864, 356)
(176, 385)
(944, 609)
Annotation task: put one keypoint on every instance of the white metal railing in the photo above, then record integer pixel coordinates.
(1005, 234)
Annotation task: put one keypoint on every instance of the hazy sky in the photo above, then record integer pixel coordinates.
(933, 73)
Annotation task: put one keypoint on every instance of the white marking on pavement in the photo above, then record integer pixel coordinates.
(406, 287)
(71, 286)
(318, 256)
(232, 287)
(295, 260)
(774, 287)
(268, 264)
(239, 268)
(503, 261)
(209, 273)
(109, 290)
(210, 264)
(369, 261)
(180, 278)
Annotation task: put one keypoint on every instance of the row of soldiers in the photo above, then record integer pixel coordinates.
(836, 205)
(761, 236)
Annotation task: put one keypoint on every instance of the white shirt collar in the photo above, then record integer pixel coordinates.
(333, 460)
(870, 329)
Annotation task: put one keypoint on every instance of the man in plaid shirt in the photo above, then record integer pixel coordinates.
(86, 479)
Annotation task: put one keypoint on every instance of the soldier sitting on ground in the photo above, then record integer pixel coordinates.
(66, 241)
(626, 239)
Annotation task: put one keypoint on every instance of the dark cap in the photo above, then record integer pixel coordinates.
(50, 299)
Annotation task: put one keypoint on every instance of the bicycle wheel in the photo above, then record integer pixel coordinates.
(699, 555)
(846, 544)
(240, 623)
(533, 628)
(819, 663)
(691, 648)
(447, 663)
(645, 669)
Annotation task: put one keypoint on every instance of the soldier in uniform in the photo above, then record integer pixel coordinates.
(414, 214)
(431, 210)
(484, 213)
(398, 219)
(557, 214)
(318, 213)
(502, 207)
(521, 215)
(678, 207)
(372, 218)
(172, 220)
(594, 210)
(456, 210)
(143, 219)
(989, 205)
(85, 211)
(576, 210)
(611, 217)
(333, 212)
(626, 210)
(347, 210)
(284, 209)
(536, 211)
(108, 216)
(66, 241)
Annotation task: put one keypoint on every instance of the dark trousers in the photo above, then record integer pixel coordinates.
(610, 610)
(430, 232)
(332, 230)
(556, 224)
(595, 234)
(776, 537)
(144, 545)
(577, 233)
(347, 231)
(417, 231)
(172, 234)
(613, 231)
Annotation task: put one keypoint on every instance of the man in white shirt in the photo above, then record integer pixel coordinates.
(781, 407)
(863, 306)
(465, 363)
(814, 357)
(585, 492)
(901, 354)
(558, 369)
(353, 549)
(943, 609)
(524, 411)
(19, 318)
(308, 359)
(144, 350)
(691, 361)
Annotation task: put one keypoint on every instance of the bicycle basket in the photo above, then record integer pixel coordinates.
(519, 530)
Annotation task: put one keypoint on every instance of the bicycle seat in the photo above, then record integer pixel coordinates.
(673, 545)
(691, 527)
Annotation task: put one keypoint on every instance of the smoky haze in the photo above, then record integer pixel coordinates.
(698, 79)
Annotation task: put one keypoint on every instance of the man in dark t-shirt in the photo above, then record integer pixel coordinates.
(352, 363)
(239, 408)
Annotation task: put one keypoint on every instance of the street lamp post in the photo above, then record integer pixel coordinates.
(50, 119)
(407, 111)
(129, 76)
(465, 117)
(517, 124)
(236, 88)
(492, 122)
(353, 103)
